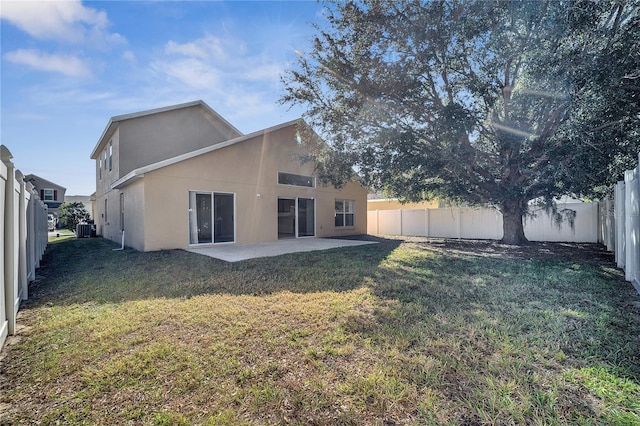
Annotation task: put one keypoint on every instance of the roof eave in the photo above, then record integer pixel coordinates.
(108, 131)
(127, 180)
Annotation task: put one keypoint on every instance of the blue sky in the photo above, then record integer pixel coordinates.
(69, 66)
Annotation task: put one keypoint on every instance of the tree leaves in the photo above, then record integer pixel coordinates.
(483, 101)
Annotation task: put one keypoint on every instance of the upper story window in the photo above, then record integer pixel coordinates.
(100, 168)
(49, 195)
(345, 213)
(110, 155)
(295, 180)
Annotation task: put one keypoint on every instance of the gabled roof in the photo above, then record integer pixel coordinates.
(30, 177)
(138, 173)
(115, 120)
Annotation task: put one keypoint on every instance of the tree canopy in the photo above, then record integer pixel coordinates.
(483, 102)
(72, 214)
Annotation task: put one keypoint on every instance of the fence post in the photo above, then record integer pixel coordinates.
(632, 233)
(12, 301)
(4, 324)
(611, 223)
(23, 284)
(32, 229)
(620, 220)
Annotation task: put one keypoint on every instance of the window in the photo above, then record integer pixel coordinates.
(100, 168)
(110, 155)
(295, 180)
(344, 213)
(49, 195)
(105, 210)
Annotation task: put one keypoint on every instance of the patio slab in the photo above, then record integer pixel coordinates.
(238, 252)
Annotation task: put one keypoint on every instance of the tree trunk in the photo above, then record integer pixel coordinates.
(512, 226)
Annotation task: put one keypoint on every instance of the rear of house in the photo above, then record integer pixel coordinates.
(246, 189)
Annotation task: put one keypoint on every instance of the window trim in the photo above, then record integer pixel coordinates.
(44, 194)
(313, 180)
(344, 212)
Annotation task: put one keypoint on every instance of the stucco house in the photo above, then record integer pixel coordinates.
(184, 177)
(50, 193)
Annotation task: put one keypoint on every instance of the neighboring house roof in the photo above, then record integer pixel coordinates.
(77, 198)
(138, 173)
(43, 183)
(115, 120)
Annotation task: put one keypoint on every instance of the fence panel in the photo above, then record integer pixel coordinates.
(483, 223)
(480, 223)
(23, 240)
(543, 227)
(621, 241)
(415, 222)
(606, 223)
(444, 223)
(390, 222)
(632, 225)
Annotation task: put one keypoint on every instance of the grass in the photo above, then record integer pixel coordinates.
(61, 235)
(402, 332)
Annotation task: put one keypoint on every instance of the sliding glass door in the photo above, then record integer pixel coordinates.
(306, 217)
(211, 217)
(296, 217)
(224, 227)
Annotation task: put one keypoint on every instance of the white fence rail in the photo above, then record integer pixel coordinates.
(23, 240)
(484, 223)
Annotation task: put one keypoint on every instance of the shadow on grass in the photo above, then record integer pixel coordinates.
(84, 270)
(515, 314)
(566, 294)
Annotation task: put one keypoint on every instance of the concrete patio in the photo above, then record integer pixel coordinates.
(238, 252)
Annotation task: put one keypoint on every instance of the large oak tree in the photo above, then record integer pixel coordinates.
(483, 102)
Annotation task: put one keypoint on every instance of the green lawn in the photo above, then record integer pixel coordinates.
(61, 235)
(402, 332)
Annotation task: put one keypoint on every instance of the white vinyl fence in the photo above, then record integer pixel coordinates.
(23, 240)
(620, 225)
(613, 221)
(484, 223)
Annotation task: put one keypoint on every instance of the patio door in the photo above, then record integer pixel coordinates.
(211, 217)
(296, 217)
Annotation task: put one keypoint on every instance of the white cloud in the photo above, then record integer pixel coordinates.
(207, 61)
(129, 56)
(264, 72)
(241, 80)
(206, 48)
(60, 20)
(190, 72)
(69, 65)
